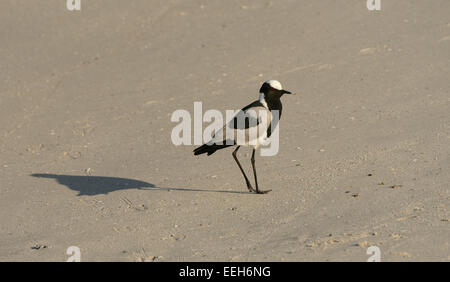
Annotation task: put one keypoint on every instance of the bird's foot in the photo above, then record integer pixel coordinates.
(250, 188)
(262, 191)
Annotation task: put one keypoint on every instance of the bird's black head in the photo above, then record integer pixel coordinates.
(272, 89)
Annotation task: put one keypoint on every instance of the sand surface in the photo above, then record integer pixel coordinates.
(86, 157)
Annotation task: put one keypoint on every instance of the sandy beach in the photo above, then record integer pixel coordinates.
(86, 157)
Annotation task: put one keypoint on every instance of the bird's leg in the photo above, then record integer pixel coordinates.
(256, 179)
(249, 186)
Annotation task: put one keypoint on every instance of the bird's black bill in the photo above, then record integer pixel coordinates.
(286, 92)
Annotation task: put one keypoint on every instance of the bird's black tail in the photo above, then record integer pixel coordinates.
(209, 149)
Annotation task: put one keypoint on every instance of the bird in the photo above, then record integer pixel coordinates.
(255, 117)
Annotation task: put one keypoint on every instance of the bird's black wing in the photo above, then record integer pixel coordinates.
(246, 124)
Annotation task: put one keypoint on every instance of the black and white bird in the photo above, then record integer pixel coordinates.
(254, 123)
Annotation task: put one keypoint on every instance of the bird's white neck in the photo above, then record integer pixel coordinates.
(262, 100)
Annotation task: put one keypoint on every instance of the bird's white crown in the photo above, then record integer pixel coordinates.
(275, 84)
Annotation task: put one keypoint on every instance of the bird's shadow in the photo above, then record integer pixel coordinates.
(95, 185)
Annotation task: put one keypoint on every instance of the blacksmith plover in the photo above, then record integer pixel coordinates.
(254, 123)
